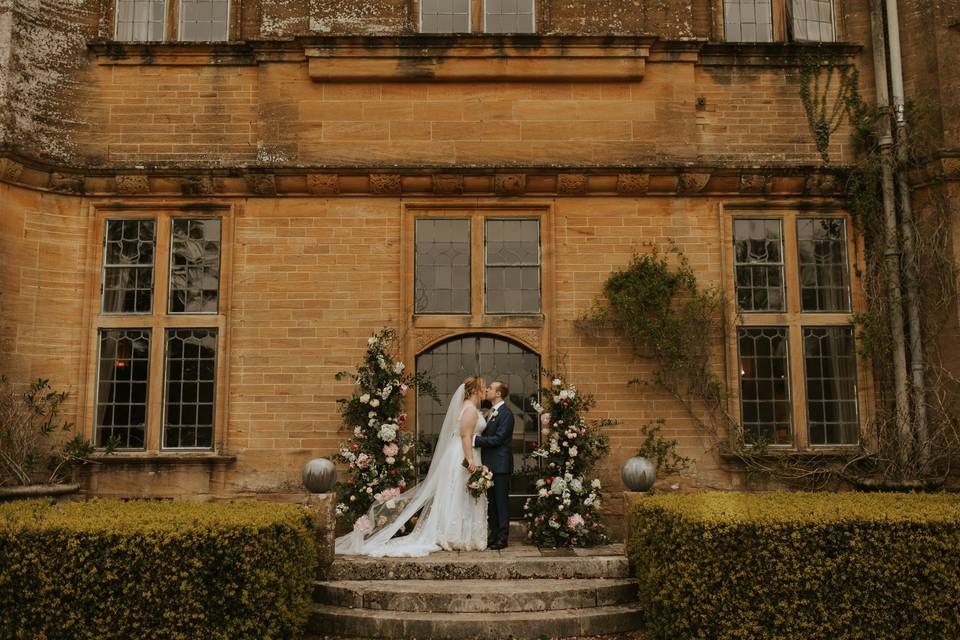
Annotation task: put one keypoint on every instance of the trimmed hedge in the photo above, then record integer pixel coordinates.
(800, 566)
(170, 570)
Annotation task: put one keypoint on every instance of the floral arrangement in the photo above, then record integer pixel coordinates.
(565, 511)
(380, 456)
(480, 480)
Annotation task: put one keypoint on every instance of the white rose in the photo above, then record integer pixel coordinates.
(564, 394)
(572, 391)
(573, 451)
(387, 390)
(372, 414)
(398, 367)
(391, 504)
(537, 407)
(557, 382)
(542, 493)
(595, 484)
(371, 341)
(390, 460)
(357, 432)
(576, 486)
(374, 403)
(372, 422)
(365, 398)
(352, 498)
(369, 489)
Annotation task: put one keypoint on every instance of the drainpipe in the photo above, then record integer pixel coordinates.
(907, 227)
(891, 252)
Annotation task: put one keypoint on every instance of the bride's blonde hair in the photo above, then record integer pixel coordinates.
(472, 385)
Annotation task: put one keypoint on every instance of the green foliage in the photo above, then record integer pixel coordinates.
(802, 566)
(817, 77)
(380, 457)
(660, 451)
(154, 570)
(29, 421)
(565, 511)
(668, 316)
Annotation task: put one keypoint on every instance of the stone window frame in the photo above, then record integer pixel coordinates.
(793, 318)
(477, 17)
(158, 321)
(171, 25)
(477, 319)
(782, 32)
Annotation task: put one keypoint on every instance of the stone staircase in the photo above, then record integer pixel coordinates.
(520, 592)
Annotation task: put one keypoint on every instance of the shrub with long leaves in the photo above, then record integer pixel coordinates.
(565, 511)
(380, 456)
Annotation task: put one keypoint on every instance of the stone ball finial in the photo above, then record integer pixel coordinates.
(638, 474)
(319, 475)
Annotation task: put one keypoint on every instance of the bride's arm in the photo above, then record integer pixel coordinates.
(468, 420)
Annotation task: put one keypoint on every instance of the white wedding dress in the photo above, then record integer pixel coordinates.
(450, 518)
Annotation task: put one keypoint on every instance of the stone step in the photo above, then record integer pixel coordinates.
(368, 623)
(480, 565)
(476, 596)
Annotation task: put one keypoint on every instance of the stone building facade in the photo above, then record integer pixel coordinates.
(207, 206)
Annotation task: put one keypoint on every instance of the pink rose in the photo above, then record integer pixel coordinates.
(545, 419)
(391, 449)
(574, 521)
(403, 390)
(363, 525)
(363, 460)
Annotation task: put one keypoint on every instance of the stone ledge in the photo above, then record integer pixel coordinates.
(774, 54)
(162, 458)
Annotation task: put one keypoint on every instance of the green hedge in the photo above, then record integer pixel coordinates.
(170, 570)
(801, 566)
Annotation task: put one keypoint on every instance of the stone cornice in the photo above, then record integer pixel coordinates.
(661, 180)
(774, 54)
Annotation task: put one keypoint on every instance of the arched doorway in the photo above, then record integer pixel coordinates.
(449, 362)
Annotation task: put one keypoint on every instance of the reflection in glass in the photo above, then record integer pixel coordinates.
(194, 265)
(122, 377)
(190, 380)
(830, 362)
(764, 385)
(444, 16)
(512, 266)
(140, 20)
(758, 255)
(824, 270)
(508, 16)
(128, 266)
(442, 266)
(204, 20)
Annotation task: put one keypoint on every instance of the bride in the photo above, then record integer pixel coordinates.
(450, 518)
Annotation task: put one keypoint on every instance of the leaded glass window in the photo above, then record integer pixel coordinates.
(442, 270)
(445, 16)
(191, 381)
(140, 20)
(758, 250)
(195, 265)
(830, 363)
(512, 266)
(824, 269)
(765, 385)
(748, 20)
(204, 20)
(812, 20)
(122, 378)
(509, 16)
(128, 266)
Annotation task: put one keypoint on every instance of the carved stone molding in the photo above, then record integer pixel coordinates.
(196, 186)
(323, 183)
(633, 183)
(385, 183)
(571, 184)
(132, 184)
(425, 339)
(510, 184)
(821, 184)
(66, 182)
(448, 183)
(10, 169)
(754, 183)
(262, 184)
(692, 182)
(529, 338)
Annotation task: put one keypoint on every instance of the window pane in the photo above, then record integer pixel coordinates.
(122, 374)
(445, 16)
(512, 266)
(442, 269)
(747, 21)
(811, 20)
(204, 20)
(764, 385)
(195, 266)
(139, 20)
(830, 361)
(191, 381)
(824, 269)
(128, 266)
(758, 264)
(509, 16)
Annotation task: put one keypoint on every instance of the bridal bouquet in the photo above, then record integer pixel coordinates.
(479, 481)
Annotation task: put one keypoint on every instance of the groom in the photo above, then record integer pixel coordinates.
(497, 454)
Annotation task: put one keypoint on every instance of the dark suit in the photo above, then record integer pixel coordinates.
(496, 452)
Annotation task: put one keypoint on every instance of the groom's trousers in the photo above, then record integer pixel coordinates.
(498, 508)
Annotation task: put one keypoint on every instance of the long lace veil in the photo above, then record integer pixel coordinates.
(386, 517)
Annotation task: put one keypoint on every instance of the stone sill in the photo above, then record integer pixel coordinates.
(123, 458)
(832, 453)
(775, 54)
